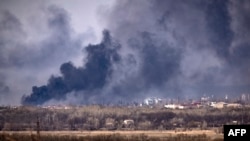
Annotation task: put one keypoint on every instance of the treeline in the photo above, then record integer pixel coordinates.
(112, 118)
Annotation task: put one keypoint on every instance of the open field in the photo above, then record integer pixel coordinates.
(199, 135)
(104, 123)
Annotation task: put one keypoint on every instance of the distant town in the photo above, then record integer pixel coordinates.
(203, 102)
(242, 100)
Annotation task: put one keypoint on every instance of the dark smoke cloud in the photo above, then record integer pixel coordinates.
(92, 76)
(166, 48)
(10, 27)
(24, 61)
(183, 48)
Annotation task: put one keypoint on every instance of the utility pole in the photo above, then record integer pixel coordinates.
(38, 127)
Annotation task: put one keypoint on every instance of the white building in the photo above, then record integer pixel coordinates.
(174, 106)
(152, 101)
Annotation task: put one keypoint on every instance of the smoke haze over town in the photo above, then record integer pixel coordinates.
(90, 51)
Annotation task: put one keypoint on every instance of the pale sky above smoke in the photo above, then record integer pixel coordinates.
(167, 48)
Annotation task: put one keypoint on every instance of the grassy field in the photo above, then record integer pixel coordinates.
(195, 135)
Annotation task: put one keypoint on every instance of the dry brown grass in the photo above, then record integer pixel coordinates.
(151, 133)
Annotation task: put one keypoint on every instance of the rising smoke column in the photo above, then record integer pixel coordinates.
(183, 48)
(167, 48)
(93, 75)
(30, 52)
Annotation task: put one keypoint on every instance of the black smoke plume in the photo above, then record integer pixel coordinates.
(167, 48)
(28, 54)
(92, 76)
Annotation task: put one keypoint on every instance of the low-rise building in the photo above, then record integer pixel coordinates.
(174, 106)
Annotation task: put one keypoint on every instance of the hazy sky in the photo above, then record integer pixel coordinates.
(55, 51)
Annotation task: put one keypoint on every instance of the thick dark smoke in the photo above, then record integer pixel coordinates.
(167, 48)
(27, 61)
(184, 48)
(92, 76)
